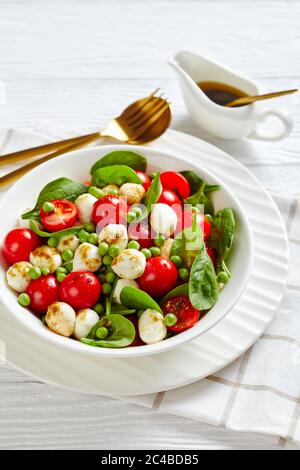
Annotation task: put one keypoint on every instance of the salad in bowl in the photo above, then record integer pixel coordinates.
(129, 258)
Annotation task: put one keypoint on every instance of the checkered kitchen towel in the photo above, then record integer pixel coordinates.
(260, 391)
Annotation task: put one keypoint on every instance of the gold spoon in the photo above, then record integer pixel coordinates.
(142, 121)
(250, 99)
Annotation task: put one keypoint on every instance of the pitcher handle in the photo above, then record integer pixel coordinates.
(281, 114)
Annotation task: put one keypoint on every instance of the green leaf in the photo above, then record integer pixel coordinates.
(115, 174)
(195, 182)
(121, 157)
(203, 286)
(222, 235)
(200, 198)
(138, 299)
(183, 289)
(121, 309)
(62, 188)
(188, 244)
(61, 233)
(121, 332)
(153, 193)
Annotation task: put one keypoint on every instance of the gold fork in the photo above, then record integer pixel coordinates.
(142, 121)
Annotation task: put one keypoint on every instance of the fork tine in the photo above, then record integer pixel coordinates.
(141, 112)
(134, 107)
(143, 117)
(150, 121)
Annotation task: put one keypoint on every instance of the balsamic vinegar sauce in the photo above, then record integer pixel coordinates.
(221, 93)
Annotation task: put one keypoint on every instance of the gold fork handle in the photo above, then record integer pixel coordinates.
(41, 149)
(16, 174)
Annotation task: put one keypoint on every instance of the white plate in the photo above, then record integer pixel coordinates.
(200, 357)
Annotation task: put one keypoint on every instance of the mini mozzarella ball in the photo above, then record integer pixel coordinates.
(130, 264)
(17, 276)
(87, 258)
(165, 250)
(114, 234)
(46, 257)
(120, 284)
(84, 322)
(133, 192)
(60, 318)
(110, 189)
(152, 328)
(163, 219)
(68, 242)
(84, 204)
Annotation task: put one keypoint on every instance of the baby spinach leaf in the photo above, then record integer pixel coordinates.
(121, 332)
(201, 198)
(222, 234)
(203, 286)
(138, 299)
(121, 157)
(153, 193)
(115, 174)
(61, 233)
(121, 309)
(188, 244)
(183, 289)
(62, 188)
(196, 181)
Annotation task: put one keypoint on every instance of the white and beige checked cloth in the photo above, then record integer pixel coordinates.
(259, 392)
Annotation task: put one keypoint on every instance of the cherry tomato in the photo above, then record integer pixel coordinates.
(137, 339)
(142, 233)
(63, 216)
(19, 243)
(186, 314)
(80, 289)
(43, 292)
(175, 182)
(144, 178)
(170, 198)
(186, 220)
(159, 277)
(109, 209)
(213, 254)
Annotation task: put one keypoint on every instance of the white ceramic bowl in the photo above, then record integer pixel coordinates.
(76, 165)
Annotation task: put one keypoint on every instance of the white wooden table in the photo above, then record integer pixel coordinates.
(80, 62)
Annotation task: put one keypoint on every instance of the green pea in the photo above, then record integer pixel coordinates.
(107, 260)
(131, 216)
(69, 266)
(110, 278)
(35, 272)
(209, 218)
(45, 271)
(140, 313)
(146, 252)
(114, 251)
(102, 332)
(137, 211)
(52, 242)
(109, 269)
(89, 227)
(83, 236)
(61, 276)
(183, 274)
(97, 192)
(222, 277)
(177, 260)
(155, 251)
(24, 299)
(102, 278)
(159, 240)
(103, 248)
(67, 255)
(93, 239)
(133, 244)
(61, 270)
(48, 207)
(106, 288)
(170, 319)
(98, 309)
